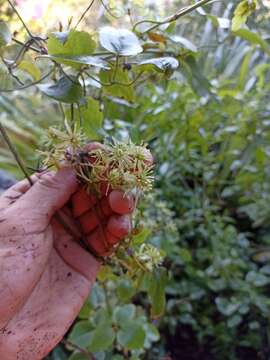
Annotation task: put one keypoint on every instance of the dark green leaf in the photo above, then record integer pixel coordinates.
(67, 90)
(102, 337)
(119, 41)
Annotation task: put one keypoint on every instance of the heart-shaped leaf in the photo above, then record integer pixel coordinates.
(5, 35)
(67, 90)
(120, 41)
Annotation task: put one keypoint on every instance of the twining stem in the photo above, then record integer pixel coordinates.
(83, 14)
(182, 12)
(21, 19)
(15, 154)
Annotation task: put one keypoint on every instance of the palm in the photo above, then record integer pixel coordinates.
(46, 275)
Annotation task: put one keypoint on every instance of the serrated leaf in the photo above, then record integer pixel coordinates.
(124, 91)
(5, 34)
(30, 68)
(67, 90)
(79, 60)
(119, 41)
(164, 64)
(243, 10)
(131, 335)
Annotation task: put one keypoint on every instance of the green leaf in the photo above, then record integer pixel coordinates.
(125, 290)
(85, 310)
(79, 60)
(73, 43)
(156, 292)
(92, 117)
(5, 34)
(122, 314)
(30, 68)
(78, 356)
(243, 10)
(81, 333)
(119, 41)
(131, 335)
(252, 37)
(121, 89)
(244, 70)
(102, 337)
(164, 64)
(141, 236)
(185, 42)
(67, 90)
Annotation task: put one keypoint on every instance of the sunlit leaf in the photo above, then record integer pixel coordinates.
(243, 10)
(119, 41)
(73, 43)
(67, 90)
(30, 68)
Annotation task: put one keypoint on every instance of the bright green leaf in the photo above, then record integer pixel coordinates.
(73, 43)
(102, 337)
(30, 68)
(243, 10)
(92, 117)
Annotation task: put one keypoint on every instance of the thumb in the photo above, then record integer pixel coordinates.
(49, 194)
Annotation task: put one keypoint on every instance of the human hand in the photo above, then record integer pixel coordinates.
(45, 274)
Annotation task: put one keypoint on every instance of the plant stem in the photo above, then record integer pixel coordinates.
(15, 153)
(29, 85)
(84, 13)
(182, 12)
(21, 19)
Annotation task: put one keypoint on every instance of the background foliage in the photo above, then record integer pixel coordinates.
(208, 126)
